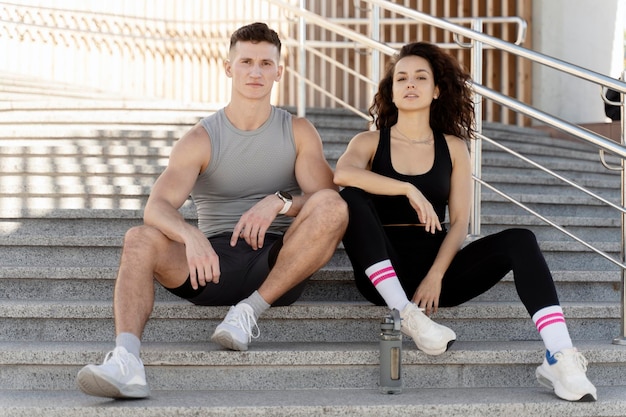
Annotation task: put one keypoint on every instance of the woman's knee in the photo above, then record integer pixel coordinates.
(353, 195)
(520, 236)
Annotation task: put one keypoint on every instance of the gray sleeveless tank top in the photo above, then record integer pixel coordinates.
(245, 167)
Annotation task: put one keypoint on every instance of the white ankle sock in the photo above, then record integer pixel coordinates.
(258, 304)
(384, 278)
(130, 342)
(551, 326)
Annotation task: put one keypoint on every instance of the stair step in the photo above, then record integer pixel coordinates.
(540, 183)
(427, 402)
(331, 284)
(64, 135)
(103, 251)
(590, 229)
(562, 205)
(286, 366)
(314, 321)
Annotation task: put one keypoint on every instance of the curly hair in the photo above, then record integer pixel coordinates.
(451, 113)
(255, 33)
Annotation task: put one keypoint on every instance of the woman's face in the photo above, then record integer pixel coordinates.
(413, 84)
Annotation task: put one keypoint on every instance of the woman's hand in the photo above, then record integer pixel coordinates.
(427, 294)
(425, 211)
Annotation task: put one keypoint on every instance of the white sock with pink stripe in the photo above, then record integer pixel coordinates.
(551, 326)
(384, 278)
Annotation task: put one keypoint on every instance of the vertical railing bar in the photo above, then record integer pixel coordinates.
(621, 339)
(375, 54)
(476, 144)
(301, 108)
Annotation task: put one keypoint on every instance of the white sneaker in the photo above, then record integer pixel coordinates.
(565, 373)
(430, 337)
(237, 329)
(121, 375)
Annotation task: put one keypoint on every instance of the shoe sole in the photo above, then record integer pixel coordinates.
(100, 386)
(546, 382)
(438, 351)
(224, 339)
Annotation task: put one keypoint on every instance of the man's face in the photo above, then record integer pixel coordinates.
(253, 67)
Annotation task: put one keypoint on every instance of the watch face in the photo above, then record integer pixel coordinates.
(285, 195)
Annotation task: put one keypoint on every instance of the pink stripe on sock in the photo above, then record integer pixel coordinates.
(379, 272)
(380, 279)
(549, 319)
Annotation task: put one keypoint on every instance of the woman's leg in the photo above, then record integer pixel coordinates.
(368, 248)
(481, 264)
(370, 253)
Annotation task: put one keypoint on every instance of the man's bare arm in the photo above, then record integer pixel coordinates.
(189, 157)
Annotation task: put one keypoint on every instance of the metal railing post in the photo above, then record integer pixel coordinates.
(375, 61)
(302, 62)
(476, 144)
(621, 339)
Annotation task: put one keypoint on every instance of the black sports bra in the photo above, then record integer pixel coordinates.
(434, 184)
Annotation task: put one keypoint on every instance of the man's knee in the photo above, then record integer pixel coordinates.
(139, 234)
(331, 208)
(143, 239)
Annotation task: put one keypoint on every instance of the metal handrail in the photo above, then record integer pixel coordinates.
(550, 222)
(560, 124)
(359, 39)
(520, 51)
(550, 172)
(327, 94)
(519, 37)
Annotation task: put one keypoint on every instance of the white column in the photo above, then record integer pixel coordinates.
(587, 33)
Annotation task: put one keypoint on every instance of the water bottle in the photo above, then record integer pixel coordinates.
(391, 354)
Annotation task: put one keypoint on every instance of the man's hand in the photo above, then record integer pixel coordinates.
(203, 262)
(254, 223)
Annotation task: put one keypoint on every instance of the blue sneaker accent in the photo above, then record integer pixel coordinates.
(550, 358)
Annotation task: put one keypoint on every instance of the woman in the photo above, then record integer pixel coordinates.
(398, 181)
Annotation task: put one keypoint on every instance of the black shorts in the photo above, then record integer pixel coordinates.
(243, 270)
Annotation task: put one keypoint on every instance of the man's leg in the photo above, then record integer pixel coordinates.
(146, 254)
(308, 244)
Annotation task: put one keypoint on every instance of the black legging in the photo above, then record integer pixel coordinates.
(475, 268)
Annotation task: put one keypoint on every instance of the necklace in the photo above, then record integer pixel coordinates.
(428, 140)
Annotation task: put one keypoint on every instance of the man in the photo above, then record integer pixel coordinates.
(254, 172)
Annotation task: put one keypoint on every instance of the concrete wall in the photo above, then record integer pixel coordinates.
(587, 33)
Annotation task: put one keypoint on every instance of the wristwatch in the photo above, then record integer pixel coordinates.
(287, 200)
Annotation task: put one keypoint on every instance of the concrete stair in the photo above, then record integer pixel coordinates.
(74, 179)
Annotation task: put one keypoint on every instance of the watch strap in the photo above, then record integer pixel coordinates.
(286, 203)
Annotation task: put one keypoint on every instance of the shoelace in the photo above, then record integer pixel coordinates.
(576, 361)
(421, 325)
(119, 359)
(245, 321)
